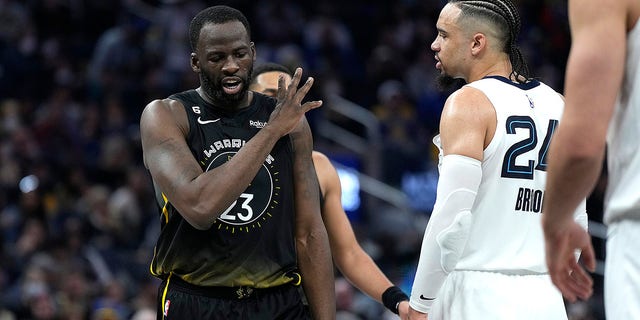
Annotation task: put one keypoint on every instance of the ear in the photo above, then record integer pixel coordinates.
(478, 44)
(195, 63)
(253, 50)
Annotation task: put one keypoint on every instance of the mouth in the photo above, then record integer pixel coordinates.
(438, 63)
(232, 85)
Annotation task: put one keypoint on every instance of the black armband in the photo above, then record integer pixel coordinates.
(392, 297)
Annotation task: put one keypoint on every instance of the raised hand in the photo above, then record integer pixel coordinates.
(290, 109)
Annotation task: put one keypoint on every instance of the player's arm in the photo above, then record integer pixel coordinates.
(312, 244)
(463, 131)
(354, 263)
(199, 196)
(593, 78)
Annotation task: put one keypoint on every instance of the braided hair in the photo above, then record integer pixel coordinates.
(504, 15)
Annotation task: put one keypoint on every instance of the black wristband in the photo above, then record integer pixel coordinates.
(392, 297)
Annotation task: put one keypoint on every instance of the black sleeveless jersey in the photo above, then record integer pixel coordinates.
(252, 242)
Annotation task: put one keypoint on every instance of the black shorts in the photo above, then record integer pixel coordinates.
(179, 300)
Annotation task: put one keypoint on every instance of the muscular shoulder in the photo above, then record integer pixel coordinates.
(164, 112)
(325, 171)
(320, 160)
(468, 123)
(468, 104)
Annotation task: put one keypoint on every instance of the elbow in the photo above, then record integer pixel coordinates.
(585, 153)
(312, 237)
(199, 214)
(202, 223)
(199, 219)
(579, 150)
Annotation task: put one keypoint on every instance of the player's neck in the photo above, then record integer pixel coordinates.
(500, 68)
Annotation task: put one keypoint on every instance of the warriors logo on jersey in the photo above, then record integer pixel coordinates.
(251, 209)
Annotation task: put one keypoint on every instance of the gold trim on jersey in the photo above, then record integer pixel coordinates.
(151, 264)
(165, 212)
(164, 295)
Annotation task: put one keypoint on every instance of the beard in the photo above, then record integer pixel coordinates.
(446, 82)
(216, 92)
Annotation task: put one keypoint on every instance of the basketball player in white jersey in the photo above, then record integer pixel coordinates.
(483, 251)
(602, 89)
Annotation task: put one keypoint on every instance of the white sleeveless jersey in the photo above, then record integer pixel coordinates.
(623, 157)
(506, 232)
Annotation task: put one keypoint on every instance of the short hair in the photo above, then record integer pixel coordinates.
(269, 67)
(505, 16)
(216, 15)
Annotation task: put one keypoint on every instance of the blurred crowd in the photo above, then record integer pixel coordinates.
(78, 219)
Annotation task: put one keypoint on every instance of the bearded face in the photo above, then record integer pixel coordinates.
(224, 59)
(222, 90)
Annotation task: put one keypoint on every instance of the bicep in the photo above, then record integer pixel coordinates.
(165, 150)
(596, 64)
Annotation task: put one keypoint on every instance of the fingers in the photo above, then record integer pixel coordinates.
(588, 257)
(293, 86)
(574, 284)
(295, 94)
(579, 282)
(292, 89)
(302, 92)
(561, 284)
(566, 273)
(310, 105)
(281, 90)
(560, 276)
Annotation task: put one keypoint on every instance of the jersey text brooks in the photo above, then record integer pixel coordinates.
(529, 200)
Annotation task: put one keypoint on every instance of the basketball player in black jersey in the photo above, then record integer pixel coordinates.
(234, 179)
(352, 261)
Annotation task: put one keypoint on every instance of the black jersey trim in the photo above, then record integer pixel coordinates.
(524, 86)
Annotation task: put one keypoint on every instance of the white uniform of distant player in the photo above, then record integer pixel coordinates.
(622, 202)
(501, 273)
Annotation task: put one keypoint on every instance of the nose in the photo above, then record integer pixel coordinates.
(230, 66)
(435, 45)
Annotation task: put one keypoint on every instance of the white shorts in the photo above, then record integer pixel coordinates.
(492, 295)
(622, 271)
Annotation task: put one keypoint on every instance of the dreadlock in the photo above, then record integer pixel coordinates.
(504, 15)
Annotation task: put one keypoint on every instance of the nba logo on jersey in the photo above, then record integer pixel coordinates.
(166, 308)
(530, 102)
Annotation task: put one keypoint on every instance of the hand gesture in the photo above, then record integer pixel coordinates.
(565, 271)
(290, 109)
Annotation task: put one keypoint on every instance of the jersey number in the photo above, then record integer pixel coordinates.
(245, 215)
(509, 167)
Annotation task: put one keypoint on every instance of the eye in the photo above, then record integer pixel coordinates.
(216, 58)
